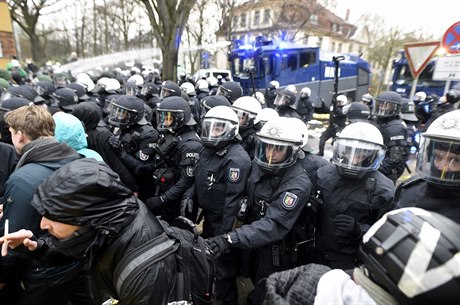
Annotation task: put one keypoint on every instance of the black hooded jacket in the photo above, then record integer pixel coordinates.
(88, 193)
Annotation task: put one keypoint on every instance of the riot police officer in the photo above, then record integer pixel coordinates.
(337, 120)
(177, 154)
(304, 105)
(357, 112)
(285, 104)
(436, 187)
(231, 90)
(353, 192)
(247, 108)
(271, 92)
(220, 184)
(277, 191)
(134, 140)
(394, 132)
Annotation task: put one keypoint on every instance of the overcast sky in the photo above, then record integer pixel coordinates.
(434, 17)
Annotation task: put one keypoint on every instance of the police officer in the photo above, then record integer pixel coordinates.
(134, 140)
(220, 184)
(193, 101)
(285, 104)
(436, 187)
(357, 112)
(231, 90)
(394, 132)
(353, 192)
(169, 88)
(444, 105)
(337, 120)
(304, 105)
(277, 191)
(177, 154)
(271, 92)
(247, 108)
(45, 89)
(65, 99)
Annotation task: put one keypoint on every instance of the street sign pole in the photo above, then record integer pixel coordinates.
(447, 86)
(413, 88)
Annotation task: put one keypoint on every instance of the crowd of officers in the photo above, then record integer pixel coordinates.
(243, 167)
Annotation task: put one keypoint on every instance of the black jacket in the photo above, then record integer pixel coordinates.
(7, 164)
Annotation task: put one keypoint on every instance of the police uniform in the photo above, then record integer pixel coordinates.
(275, 203)
(175, 168)
(419, 193)
(363, 199)
(337, 122)
(248, 140)
(394, 132)
(220, 183)
(310, 164)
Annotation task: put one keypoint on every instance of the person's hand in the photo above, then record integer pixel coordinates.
(1, 211)
(186, 206)
(218, 245)
(347, 227)
(115, 142)
(15, 239)
(154, 202)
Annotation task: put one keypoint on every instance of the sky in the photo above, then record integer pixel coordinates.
(434, 17)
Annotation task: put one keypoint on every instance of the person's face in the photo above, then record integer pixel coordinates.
(58, 229)
(217, 130)
(275, 153)
(446, 161)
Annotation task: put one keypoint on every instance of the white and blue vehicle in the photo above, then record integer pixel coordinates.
(299, 65)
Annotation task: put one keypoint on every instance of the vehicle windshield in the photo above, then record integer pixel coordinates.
(404, 77)
(243, 66)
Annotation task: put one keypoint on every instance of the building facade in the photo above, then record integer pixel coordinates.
(7, 45)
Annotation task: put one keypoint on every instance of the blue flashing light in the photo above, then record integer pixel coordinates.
(283, 45)
(246, 47)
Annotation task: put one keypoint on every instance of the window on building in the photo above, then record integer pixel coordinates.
(314, 19)
(320, 41)
(243, 20)
(339, 48)
(266, 16)
(350, 48)
(235, 20)
(333, 46)
(305, 39)
(256, 17)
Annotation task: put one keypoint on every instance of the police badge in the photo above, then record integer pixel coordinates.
(234, 174)
(289, 200)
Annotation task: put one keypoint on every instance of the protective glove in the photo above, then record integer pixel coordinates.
(347, 227)
(186, 206)
(115, 142)
(154, 202)
(218, 245)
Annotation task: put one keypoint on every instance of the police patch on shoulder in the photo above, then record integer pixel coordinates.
(190, 170)
(289, 200)
(142, 156)
(234, 174)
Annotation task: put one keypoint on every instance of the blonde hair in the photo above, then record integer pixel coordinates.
(33, 121)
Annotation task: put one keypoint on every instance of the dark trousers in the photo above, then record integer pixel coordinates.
(326, 135)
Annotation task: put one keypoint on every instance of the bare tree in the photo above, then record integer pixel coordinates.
(26, 14)
(226, 17)
(168, 20)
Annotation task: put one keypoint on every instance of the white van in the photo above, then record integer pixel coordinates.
(205, 73)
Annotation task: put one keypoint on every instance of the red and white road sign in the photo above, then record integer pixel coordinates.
(451, 39)
(419, 55)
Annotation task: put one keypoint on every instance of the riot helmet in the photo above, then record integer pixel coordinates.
(219, 127)
(127, 110)
(305, 93)
(173, 113)
(107, 85)
(79, 90)
(277, 145)
(137, 79)
(247, 108)
(23, 91)
(188, 88)
(260, 97)
(413, 255)
(212, 101)
(368, 100)
(358, 150)
(149, 89)
(438, 159)
(274, 85)
(202, 85)
(266, 115)
(453, 96)
(170, 88)
(66, 99)
(408, 110)
(388, 104)
(131, 88)
(284, 99)
(45, 88)
(358, 112)
(303, 129)
(342, 100)
(231, 90)
(419, 97)
(86, 81)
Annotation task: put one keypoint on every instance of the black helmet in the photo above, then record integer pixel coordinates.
(45, 88)
(173, 113)
(79, 90)
(66, 99)
(358, 112)
(23, 91)
(284, 98)
(388, 104)
(127, 110)
(212, 101)
(149, 89)
(14, 103)
(453, 96)
(231, 90)
(170, 88)
(413, 254)
(131, 88)
(408, 110)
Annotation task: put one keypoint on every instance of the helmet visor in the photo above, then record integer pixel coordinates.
(60, 81)
(244, 117)
(165, 92)
(281, 99)
(439, 161)
(120, 116)
(216, 130)
(357, 155)
(386, 109)
(169, 119)
(273, 154)
(131, 90)
(224, 92)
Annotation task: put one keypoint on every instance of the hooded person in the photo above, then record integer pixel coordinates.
(69, 129)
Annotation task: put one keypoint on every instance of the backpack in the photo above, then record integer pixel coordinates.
(194, 263)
